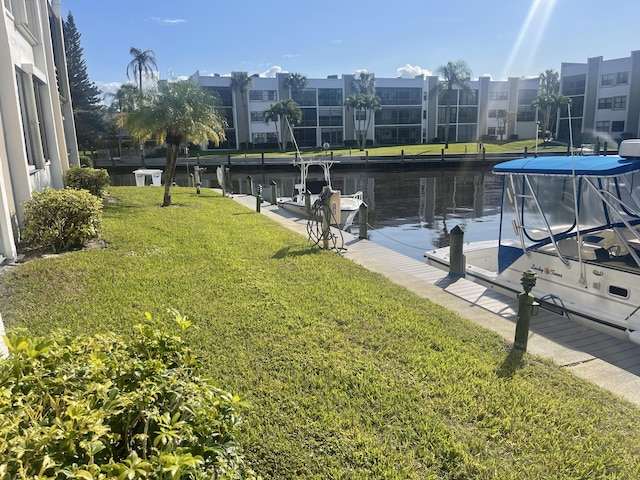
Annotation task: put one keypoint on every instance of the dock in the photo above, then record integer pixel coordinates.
(609, 362)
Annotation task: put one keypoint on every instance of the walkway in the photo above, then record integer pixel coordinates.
(611, 363)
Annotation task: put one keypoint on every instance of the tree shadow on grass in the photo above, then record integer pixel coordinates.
(289, 252)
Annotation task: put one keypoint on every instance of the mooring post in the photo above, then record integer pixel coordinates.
(605, 147)
(326, 217)
(363, 217)
(274, 193)
(484, 152)
(259, 198)
(307, 203)
(229, 159)
(249, 185)
(402, 156)
(525, 151)
(442, 155)
(526, 308)
(262, 158)
(456, 257)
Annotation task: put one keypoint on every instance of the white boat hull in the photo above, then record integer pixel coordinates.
(348, 210)
(602, 296)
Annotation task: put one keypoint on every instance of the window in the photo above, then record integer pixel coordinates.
(498, 95)
(603, 126)
(606, 80)
(263, 95)
(264, 137)
(622, 78)
(29, 93)
(491, 131)
(468, 115)
(468, 98)
(25, 13)
(330, 117)
(526, 114)
(399, 96)
(330, 97)
(305, 98)
(604, 103)
(617, 126)
(620, 102)
(497, 113)
(574, 85)
(257, 116)
(526, 96)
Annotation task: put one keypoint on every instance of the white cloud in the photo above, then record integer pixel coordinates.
(167, 21)
(290, 55)
(409, 71)
(271, 73)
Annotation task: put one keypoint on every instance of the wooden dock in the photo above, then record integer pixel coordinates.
(609, 362)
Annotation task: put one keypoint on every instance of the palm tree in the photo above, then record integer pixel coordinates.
(177, 112)
(364, 83)
(141, 63)
(241, 83)
(295, 82)
(123, 102)
(363, 106)
(452, 74)
(548, 100)
(285, 113)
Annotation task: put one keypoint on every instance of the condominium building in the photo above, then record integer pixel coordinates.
(37, 134)
(411, 110)
(605, 98)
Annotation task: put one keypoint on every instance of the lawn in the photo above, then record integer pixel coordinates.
(348, 375)
(514, 146)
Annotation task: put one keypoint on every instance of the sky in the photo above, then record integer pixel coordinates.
(390, 38)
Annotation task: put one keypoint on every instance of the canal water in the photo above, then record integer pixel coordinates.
(409, 211)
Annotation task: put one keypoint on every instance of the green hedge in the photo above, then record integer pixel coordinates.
(100, 407)
(61, 220)
(96, 180)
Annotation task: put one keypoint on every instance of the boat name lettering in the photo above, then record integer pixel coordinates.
(546, 271)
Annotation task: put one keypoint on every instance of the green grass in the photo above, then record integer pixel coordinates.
(348, 375)
(515, 146)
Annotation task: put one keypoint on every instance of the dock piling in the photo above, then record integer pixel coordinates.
(363, 218)
(456, 257)
(527, 306)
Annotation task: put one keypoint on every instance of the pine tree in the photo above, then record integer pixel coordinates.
(85, 95)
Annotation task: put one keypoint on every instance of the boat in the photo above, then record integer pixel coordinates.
(575, 222)
(349, 205)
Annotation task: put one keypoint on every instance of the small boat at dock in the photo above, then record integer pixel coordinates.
(342, 215)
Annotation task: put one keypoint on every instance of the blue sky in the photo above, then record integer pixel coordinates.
(391, 38)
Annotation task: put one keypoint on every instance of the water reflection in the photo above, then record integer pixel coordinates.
(409, 211)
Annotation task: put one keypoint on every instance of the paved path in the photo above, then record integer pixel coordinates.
(611, 363)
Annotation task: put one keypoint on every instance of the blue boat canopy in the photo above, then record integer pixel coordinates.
(568, 166)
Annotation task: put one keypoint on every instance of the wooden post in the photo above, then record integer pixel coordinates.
(326, 218)
(525, 151)
(525, 304)
(402, 156)
(363, 218)
(229, 159)
(274, 193)
(307, 203)
(605, 147)
(262, 158)
(259, 198)
(484, 152)
(442, 155)
(456, 257)
(249, 185)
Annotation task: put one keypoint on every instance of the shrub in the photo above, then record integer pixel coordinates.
(101, 407)
(61, 220)
(96, 180)
(86, 161)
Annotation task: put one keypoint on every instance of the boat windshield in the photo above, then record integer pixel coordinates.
(570, 216)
